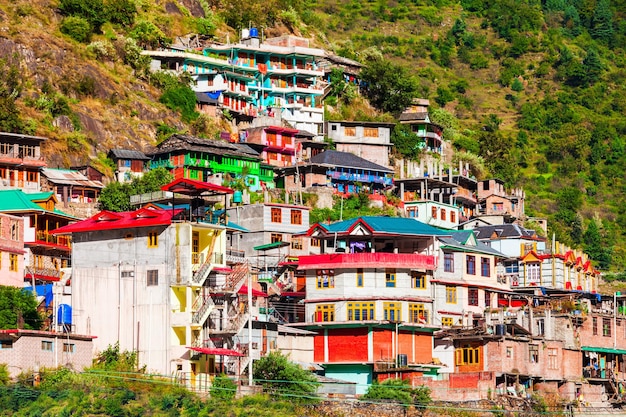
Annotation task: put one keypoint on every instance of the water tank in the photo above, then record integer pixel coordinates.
(500, 329)
(64, 314)
(403, 360)
(254, 33)
(245, 33)
(237, 197)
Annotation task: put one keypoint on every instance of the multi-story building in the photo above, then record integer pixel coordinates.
(431, 134)
(11, 250)
(495, 201)
(343, 171)
(567, 271)
(128, 163)
(276, 145)
(47, 256)
(276, 77)
(367, 140)
(71, 186)
(158, 281)
(20, 161)
(369, 297)
(213, 160)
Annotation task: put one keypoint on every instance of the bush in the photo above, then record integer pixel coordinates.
(76, 28)
(223, 388)
(398, 391)
(102, 50)
(279, 376)
(181, 98)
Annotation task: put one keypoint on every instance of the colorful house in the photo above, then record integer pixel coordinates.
(369, 297)
(47, 256)
(276, 145)
(128, 163)
(11, 250)
(278, 77)
(496, 201)
(20, 161)
(212, 160)
(367, 140)
(429, 133)
(343, 171)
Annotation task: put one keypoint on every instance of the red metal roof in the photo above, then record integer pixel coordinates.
(216, 351)
(255, 293)
(192, 187)
(107, 220)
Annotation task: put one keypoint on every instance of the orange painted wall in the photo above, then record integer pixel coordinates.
(344, 345)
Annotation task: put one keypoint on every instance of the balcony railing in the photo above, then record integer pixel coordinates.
(367, 260)
(43, 236)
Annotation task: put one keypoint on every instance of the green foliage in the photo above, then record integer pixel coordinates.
(390, 87)
(406, 142)
(77, 28)
(602, 22)
(116, 196)
(148, 35)
(398, 391)
(4, 374)
(131, 55)
(121, 12)
(113, 359)
(223, 388)
(18, 309)
(93, 11)
(283, 378)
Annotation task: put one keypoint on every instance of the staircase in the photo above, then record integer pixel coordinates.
(202, 273)
(236, 279)
(202, 308)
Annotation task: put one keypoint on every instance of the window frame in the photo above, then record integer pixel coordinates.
(359, 278)
(322, 284)
(418, 313)
(365, 311)
(448, 262)
(153, 239)
(418, 280)
(533, 353)
(451, 294)
(470, 264)
(296, 216)
(392, 311)
(327, 310)
(276, 215)
(13, 262)
(152, 277)
(485, 267)
(472, 296)
(390, 277)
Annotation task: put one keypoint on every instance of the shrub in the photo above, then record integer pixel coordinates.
(102, 50)
(181, 98)
(280, 376)
(76, 28)
(223, 388)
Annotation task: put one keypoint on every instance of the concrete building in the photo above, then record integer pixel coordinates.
(21, 161)
(367, 140)
(128, 163)
(11, 250)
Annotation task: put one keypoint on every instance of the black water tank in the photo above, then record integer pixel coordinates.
(500, 329)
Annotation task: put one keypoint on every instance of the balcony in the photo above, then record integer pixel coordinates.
(42, 236)
(367, 260)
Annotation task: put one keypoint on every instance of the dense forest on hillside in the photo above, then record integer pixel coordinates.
(533, 90)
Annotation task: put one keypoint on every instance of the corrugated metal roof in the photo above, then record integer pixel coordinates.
(69, 177)
(128, 154)
(17, 201)
(347, 160)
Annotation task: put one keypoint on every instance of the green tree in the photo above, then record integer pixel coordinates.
(114, 359)
(116, 196)
(279, 376)
(389, 87)
(92, 10)
(571, 21)
(592, 66)
(18, 309)
(602, 22)
(406, 142)
(10, 89)
(121, 12)
(183, 99)
(148, 35)
(398, 391)
(77, 28)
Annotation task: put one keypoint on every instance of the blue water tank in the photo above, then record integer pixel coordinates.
(254, 33)
(64, 314)
(237, 197)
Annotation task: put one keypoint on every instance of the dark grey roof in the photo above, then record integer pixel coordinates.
(458, 239)
(346, 159)
(507, 230)
(410, 116)
(205, 99)
(304, 134)
(177, 143)
(128, 154)
(343, 60)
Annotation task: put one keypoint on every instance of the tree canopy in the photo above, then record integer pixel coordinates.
(18, 309)
(389, 87)
(278, 375)
(116, 195)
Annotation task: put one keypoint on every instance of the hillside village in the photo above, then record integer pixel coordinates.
(199, 279)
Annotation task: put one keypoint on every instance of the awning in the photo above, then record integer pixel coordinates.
(603, 350)
(255, 293)
(216, 351)
(222, 270)
(272, 246)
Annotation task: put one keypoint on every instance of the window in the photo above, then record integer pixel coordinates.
(472, 296)
(442, 212)
(69, 347)
(485, 267)
(360, 311)
(511, 267)
(433, 212)
(417, 313)
(315, 243)
(31, 176)
(349, 131)
(509, 351)
(325, 278)
(153, 239)
(370, 132)
(153, 277)
(412, 212)
(418, 280)
(467, 355)
(533, 353)
(128, 236)
(541, 327)
(276, 215)
(594, 326)
(448, 262)
(553, 358)
(453, 216)
(450, 294)
(276, 237)
(498, 207)
(296, 243)
(325, 312)
(606, 327)
(392, 311)
(533, 273)
(15, 235)
(6, 344)
(359, 277)
(390, 278)
(296, 216)
(46, 345)
(447, 321)
(487, 299)
(13, 262)
(39, 261)
(470, 261)
(127, 274)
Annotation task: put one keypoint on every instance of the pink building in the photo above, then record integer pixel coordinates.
(11, 250)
